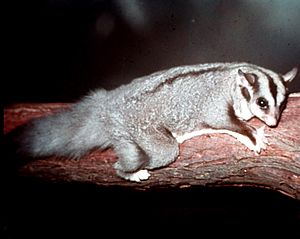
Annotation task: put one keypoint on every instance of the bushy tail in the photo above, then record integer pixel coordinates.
(71, 132)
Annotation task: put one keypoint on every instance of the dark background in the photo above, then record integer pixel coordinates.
(59, 50)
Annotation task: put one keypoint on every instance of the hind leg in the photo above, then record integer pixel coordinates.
(153, 148)
(131, 159)
(160, 146)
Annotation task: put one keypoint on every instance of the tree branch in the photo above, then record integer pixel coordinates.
(210, 160)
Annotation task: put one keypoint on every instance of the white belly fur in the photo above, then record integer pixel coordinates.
(186, 136)
(242, 138)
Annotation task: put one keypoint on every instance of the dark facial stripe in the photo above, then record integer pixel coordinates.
(256, 84)
(245, 93)
(272, 87)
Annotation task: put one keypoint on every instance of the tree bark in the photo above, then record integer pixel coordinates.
(208, 160)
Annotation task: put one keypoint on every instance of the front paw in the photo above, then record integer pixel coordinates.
(261, 140)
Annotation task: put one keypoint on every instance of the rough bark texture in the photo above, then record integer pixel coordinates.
(210, 160)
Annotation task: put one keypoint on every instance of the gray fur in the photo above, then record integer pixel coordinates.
(139, 119)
